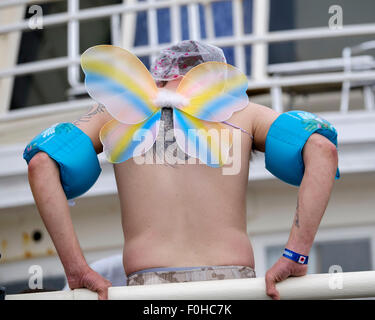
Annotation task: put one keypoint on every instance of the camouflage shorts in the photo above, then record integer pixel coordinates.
(170, 275)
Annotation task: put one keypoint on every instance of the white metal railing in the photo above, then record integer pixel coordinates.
(259, 39)
(315, 286)
(73, 44)
(349, 66)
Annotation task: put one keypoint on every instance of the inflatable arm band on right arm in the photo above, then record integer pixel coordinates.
(74, 152)
(286, 139)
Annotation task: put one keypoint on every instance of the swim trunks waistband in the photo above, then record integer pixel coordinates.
(187, 274)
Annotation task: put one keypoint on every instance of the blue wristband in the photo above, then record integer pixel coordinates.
(299, 258)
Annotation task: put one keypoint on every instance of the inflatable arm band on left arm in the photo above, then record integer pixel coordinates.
(286, 139)
(73, 151)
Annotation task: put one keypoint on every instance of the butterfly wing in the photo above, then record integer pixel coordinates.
(123, 141)
(120, 81)
(215, 90)
(208, 141)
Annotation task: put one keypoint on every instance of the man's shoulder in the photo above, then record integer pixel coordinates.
(261, 118)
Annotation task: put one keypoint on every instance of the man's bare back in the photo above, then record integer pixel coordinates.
(187, 214)
(184, 215)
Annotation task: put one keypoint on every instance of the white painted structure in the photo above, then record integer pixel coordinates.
(271, 203)
(313, 286)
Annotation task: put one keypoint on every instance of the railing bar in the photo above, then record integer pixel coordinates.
(100, 12)
(270, 37)
(175, 22)
(62, 62)
(13, 3)
(259, 51)
(152, 27)
(345, 89)
(194, 22)
(38, 66)
(325, 78)
(53, 108)
(334, 77)
(128, 26)
(283, 36)
(369, 45)
(73, 43)
(344, 285)
(209, 21)
(116, 30)
(238, 29)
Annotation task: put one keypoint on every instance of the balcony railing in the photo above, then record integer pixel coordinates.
(258, 39)
(315, 286)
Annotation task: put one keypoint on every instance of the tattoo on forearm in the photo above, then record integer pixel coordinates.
(296, 221)
(86, 117)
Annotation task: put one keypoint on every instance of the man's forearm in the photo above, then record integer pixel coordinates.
(320, 158)
(53, 207)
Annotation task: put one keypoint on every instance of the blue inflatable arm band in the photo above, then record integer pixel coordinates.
(74, 152)
(286, 139)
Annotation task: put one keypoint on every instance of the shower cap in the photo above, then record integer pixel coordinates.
(175, 61)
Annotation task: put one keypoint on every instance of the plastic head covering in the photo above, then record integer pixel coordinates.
(175, 61)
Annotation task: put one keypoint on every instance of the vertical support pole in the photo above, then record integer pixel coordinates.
(368, 95)
(277, 98)
(345, 90)
(8, 56)
(152, 28)
(259, 58)
(116, 30)
(238, 29)
(209, 21)
(194, 22)
(73, 43)
(176, 31)
(128, 27)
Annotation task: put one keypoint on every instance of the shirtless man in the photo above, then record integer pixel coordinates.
(187, 216)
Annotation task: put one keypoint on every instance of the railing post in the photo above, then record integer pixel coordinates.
(345, 90)
(209, 20)
(239, 51)
(116, 30)
(9, 55)
(73, 43)
(194, 22)
(152, 29)
(277, 97)
(259, 56)
(128, 26)
(175, 23)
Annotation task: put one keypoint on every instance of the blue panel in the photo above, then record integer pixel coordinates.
(229, 54)
(164, 25)
(223, 20)
(184, 23)
(248, 15)
(141, 34)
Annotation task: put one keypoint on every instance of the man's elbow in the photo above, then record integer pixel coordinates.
(40, 163)
(320, 147)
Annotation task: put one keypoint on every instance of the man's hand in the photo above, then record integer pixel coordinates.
(281, 270)
(88, 278)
